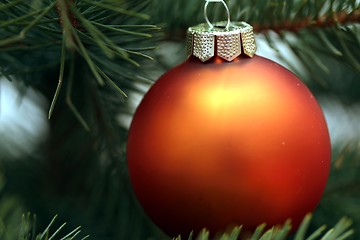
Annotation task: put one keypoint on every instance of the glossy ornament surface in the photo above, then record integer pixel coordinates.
(218, 144)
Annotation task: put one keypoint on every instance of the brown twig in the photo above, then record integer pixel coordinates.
(63, 7)
(321, 22)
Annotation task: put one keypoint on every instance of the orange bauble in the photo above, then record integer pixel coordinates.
(218, 144)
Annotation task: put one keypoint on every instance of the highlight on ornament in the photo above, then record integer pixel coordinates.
(227, 139)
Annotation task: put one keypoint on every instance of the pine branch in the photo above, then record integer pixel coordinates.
(82, 27)
(328, 20)
(276, 15)
(28, 230)
(340, 231)
(95, 49)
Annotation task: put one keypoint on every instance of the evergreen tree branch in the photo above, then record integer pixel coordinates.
(89, 25)
(340, 231)
(329, 20)
(97, 157)
(78, 34)
(28, 230)
(66, 16)
(276, 15)
(24, 31)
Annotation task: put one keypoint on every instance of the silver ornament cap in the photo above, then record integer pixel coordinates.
(223, 39)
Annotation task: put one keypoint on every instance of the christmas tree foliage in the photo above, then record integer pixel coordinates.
(92, 59)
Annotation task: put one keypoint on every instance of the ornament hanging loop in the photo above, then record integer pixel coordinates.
(211, 26)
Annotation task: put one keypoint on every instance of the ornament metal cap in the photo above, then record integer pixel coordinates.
(224, 39)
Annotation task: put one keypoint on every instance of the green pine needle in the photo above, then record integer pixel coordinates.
(316, 234)
(283, 232)
(267, 235)
(119, 28)
(203, 235)
(258, 231)
(301, 232)
(61, 75)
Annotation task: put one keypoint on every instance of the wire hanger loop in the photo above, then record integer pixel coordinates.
(211, 26)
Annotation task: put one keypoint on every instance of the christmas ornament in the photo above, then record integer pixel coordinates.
(225, 139)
